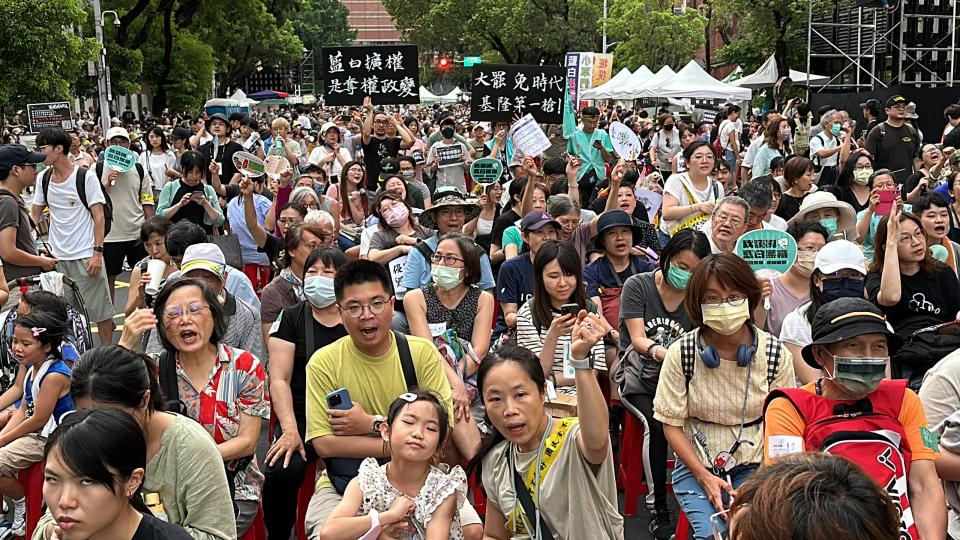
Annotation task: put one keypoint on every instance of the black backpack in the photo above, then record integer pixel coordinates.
(82, 193)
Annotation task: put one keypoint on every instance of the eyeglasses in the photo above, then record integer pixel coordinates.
(355, 169)
(909, 238)
(702, 157)
(852, 275)
(289, 221)
(716, 300)
(900, 107)
(448, 260)
(863, 167)
(733, 220)
(808, 249)
(376, 306)
(41, 147)
(29, 165)
(173, 313)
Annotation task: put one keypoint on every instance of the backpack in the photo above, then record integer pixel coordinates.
(717, 144)
(688, 356)
(866, 432)
(82, 193)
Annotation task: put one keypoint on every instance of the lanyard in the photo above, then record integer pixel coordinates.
(512, 462)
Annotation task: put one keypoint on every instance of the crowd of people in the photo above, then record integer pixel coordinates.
(436, 357)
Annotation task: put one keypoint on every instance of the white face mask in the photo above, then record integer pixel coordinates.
(805, 261)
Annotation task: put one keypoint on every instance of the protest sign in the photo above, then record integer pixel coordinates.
(486, 170)
(248, 164)
(119, 158)
(275, 166)
(767, 249)
(449, 155)
(528, 137)
(53, 114)
(650, 200)
(395, 267)
(501, 92)
(624, 140)
(388, 74)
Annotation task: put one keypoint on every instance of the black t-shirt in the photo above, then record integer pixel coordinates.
(502, 223)
(952, 138)
(290, 327)
(924, 300)
(376, 151)
(272, 247)
(789, 206)
(847, 195)
(152, 528)
(192, 211)
(894, 148)
(224, 157)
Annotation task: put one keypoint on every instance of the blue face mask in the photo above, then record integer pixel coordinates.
(678, 277)
(830, 224)
(319, 291)
(842, 288)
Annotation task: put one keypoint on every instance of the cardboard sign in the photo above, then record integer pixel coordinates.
(449, 155)
(248, 164)
(767, 249)
(528, 137)
(388, 74)
(501, 92)
(275, 166)
(624, 140)
(119, 158)
(44, 115)
(486, 170)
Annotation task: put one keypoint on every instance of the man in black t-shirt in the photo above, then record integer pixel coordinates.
(894, 144)
(220, 152)
(377, 146)
(871, 113)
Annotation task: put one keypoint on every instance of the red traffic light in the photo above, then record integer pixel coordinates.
(443, 64)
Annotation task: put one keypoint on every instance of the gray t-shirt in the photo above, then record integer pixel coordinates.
(640, 299)
(14, 214)
(386, 239)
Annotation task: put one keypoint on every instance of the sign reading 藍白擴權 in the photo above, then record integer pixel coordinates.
(44, 115)
(501, 92)
(388, 74)
(486, 170)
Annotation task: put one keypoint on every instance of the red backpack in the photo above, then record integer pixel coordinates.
(866, 432)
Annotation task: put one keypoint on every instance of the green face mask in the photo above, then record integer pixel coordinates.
(860, 376)
(445, 277)
(830, 224)
(678, 277)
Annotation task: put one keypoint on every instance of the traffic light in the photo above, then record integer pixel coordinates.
(443, 64)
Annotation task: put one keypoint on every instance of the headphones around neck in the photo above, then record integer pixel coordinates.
(711, 358)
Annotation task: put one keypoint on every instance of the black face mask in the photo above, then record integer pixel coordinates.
(644, 133)
(447, 132)
(842, 288)
(668, 127)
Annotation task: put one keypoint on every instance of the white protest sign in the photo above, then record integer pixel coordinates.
(449, 155)
(119, 158)
(528, 137)
(248, 164)
(650, 200)
(396, 275)
(624, 140)
(274, 166)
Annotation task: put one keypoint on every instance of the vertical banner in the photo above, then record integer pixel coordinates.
(572, 64)
(502, 91)
(602, 69)
(586, 75)
(389, 74)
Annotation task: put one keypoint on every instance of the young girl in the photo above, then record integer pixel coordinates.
(95, 467)
(408, 497)
(46, 398)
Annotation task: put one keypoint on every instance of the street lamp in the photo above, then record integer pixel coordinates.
(103, 72)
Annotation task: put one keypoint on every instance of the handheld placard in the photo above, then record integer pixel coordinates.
(769, 252)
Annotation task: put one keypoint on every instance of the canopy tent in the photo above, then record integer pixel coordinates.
(428, 98)
(693, 82)
(768, 75)
(599, 92)
(645, 90)
(636, 79)
(238, 102)
(269, 94)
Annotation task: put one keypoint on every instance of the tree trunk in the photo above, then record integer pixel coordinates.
(160, 98)
(780, 47)
(706, 38)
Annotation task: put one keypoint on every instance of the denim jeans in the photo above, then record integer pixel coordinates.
(694, 502)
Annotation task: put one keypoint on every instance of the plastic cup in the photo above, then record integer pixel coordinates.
(156, 268)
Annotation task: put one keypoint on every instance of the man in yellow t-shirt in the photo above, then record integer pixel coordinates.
(367, 364)
(852, 345)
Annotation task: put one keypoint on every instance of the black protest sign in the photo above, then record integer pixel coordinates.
(449, 155)
(44, 115)
(500, 92)
(389, 74)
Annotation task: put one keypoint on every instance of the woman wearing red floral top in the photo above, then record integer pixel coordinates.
(220, 387)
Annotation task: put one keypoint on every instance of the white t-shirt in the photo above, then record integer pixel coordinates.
(726, 128)
(776, 222)
(155, 166)
(821, 142)
(334, 168)
(795, 328)
(71, 224)
(755, 145)
(675, 186)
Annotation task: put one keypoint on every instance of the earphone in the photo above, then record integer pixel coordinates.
(745, 354)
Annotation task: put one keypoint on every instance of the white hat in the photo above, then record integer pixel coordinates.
(847, 223)
(117, 131)
(838, 255)
(204, 256)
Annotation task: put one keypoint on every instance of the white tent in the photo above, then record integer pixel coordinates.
(238, 99)
(767, 76)
(600, 92)
(636, 79)
(647, 89)
(428, 98)
(693, 82)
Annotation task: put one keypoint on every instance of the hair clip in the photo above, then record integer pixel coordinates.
(409, 397)
(37, 331)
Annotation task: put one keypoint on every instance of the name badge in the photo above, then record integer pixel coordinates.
(437, 328)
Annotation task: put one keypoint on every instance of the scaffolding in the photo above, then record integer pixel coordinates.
(868, 47)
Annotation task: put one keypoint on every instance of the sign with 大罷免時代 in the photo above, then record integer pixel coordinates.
(502, 92)
(388, 74)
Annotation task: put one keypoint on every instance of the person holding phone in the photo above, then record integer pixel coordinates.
(884, 196)
(545, 321)
(189, 198)
(330, 155)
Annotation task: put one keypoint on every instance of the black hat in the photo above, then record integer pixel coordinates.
(615, 218)
(389, 166)
(17, 154)
(179, 134)
(896, 99)
(872, 104)
(847, 318)
(217, 116)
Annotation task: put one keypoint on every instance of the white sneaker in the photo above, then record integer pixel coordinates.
(19, 526)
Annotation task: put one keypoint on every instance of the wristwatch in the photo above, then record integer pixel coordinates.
(98, 249)
(378, 421)
(586, 363)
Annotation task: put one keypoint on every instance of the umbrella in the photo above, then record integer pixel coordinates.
(268, 94)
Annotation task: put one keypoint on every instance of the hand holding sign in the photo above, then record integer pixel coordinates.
(486, 170)
(769, 252)
(624, 140)
(119, 158)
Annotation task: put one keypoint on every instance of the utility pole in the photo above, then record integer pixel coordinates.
(604, 47)
(103, 72)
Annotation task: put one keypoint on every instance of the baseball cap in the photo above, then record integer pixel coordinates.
(204, 256)
(846, 318)
(17, 154)
(389, 166)
(117, 131)
(536, 220)
(838, 255)
(896, 99)
(872, 104)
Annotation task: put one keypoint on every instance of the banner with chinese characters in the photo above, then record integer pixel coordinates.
(602, 69)
(586, 70)
(389, 74)
(501, 92)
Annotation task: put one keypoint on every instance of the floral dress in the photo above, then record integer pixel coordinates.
(379, 494)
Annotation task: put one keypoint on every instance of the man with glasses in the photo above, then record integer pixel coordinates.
(894, 144)
(18, 253)
(593, 147)
(377, 145)
(375, 365)
(728, 223)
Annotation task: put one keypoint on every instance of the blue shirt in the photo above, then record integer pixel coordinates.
(514, 286)
(248, 247)
(599, 274)
(416, 272)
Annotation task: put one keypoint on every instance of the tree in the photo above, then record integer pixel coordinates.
(650, 33)
(42, 56)
(520, 31)
(320, 23)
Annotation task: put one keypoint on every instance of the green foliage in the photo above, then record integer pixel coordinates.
(191, 68)
(41, 56)
(651, 34)
(320, 23)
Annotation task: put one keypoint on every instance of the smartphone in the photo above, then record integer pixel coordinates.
(339, 399)
(570, 309)
(887, 197)
(863, 134)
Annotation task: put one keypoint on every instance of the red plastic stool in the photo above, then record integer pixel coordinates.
(631, 464)
(31, 479)
(258, 529)
(303, 498)
(479, 495)
(683, 527)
